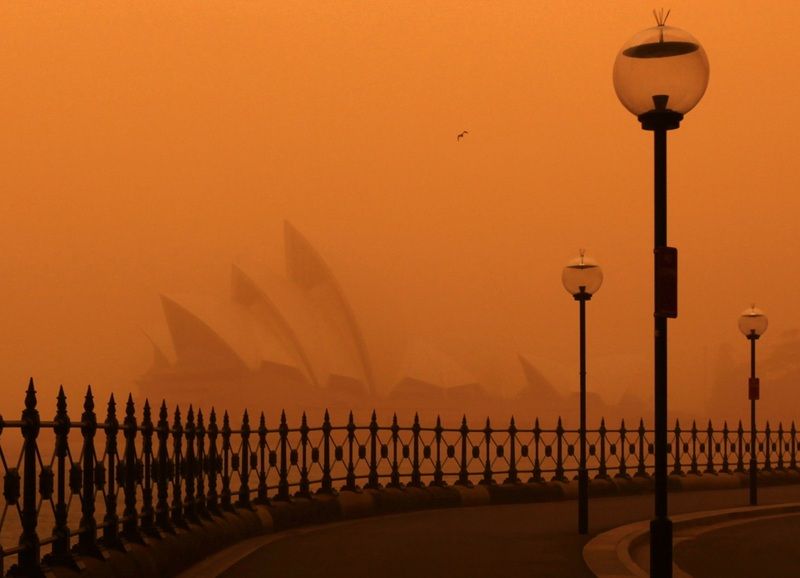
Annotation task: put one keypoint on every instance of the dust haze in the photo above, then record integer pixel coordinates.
(148, 148)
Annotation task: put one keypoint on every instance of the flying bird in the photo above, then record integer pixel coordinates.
(462, 134)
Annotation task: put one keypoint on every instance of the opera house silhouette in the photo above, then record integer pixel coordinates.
(293, 342)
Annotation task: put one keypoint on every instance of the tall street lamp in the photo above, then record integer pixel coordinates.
(753, 323)
(582, 278)
(659, 75)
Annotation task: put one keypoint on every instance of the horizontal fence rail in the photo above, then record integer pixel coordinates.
(88, 486)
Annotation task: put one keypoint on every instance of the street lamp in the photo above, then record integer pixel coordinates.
(582, 278)
(659, 75)
(753, 323)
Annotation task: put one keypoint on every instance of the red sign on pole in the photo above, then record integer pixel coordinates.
(666, 278)
(754, 388)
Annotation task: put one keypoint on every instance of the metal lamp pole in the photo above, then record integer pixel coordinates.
(753, 323)
(659, 121)
(582, 277)
(753, 395)
(583, 475)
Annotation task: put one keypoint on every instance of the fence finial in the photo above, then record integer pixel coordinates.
(30, 396)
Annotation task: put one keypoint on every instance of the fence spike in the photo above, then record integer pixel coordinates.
(111, 537)
(201, 467)
(213, 463)
(283, 467)
(244, 473)
(29, 558)
(372, 479)
(395, 475)
(189, 472)
(327, 482)
(178, 511)
(305, 485)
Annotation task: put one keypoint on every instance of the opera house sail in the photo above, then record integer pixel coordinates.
(276, 338)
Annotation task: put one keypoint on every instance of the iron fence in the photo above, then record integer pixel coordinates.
(165, 474)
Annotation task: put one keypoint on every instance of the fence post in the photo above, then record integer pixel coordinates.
(559, 474)
(780, 446)
(327, 483)
(623, 443)
(395, 477)
(130, 527)
(537, 465)
(641, 469)
(694, 470)
(463, 472)
(178, 471)
(438, 474)
(283, 471)
(767, 448)
(189, 469)
(148, 513)
(602, 470)
(111, 519)
(201, 469)
(29, 557)
(163, 474)
(226, 457)
(262, 450)
(416, 480)
(677, 469)
(487, 466)
(512, 460)
(87, 540)
(726, 447)
(61, 554)
(305, 486)
(710, 450)
(793, 448)
(740, 456)
(372, 481)
(213, 463)
(351, 467)
(244, 474)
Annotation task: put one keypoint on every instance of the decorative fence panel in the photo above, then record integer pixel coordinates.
(81, 487)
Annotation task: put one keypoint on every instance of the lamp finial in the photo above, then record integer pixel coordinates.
(661, 16)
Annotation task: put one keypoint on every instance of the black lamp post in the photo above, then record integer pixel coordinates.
(753, 323)
(582, 278)
(659, 75)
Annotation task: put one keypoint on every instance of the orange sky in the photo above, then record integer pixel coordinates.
(145, 146)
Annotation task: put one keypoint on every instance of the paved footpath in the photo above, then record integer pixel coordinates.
(533, 540)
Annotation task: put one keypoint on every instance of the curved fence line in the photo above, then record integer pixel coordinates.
(121, 481)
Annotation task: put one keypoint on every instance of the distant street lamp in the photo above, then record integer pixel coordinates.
(753, 323)
(582, 278)
(659, 75)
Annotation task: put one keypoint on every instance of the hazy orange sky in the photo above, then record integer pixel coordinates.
(146, 146)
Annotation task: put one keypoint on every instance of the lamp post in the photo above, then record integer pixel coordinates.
(582, 278)
(753, 323)
(660, 74)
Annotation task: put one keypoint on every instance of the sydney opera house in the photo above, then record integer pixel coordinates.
(293, 341)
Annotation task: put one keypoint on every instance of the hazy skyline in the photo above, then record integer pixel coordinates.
(147, 147)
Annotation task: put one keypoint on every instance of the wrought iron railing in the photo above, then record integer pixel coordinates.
(171, 474)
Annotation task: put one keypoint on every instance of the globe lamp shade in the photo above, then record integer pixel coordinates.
(661, 68)
(753, 322)
(582, 276)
